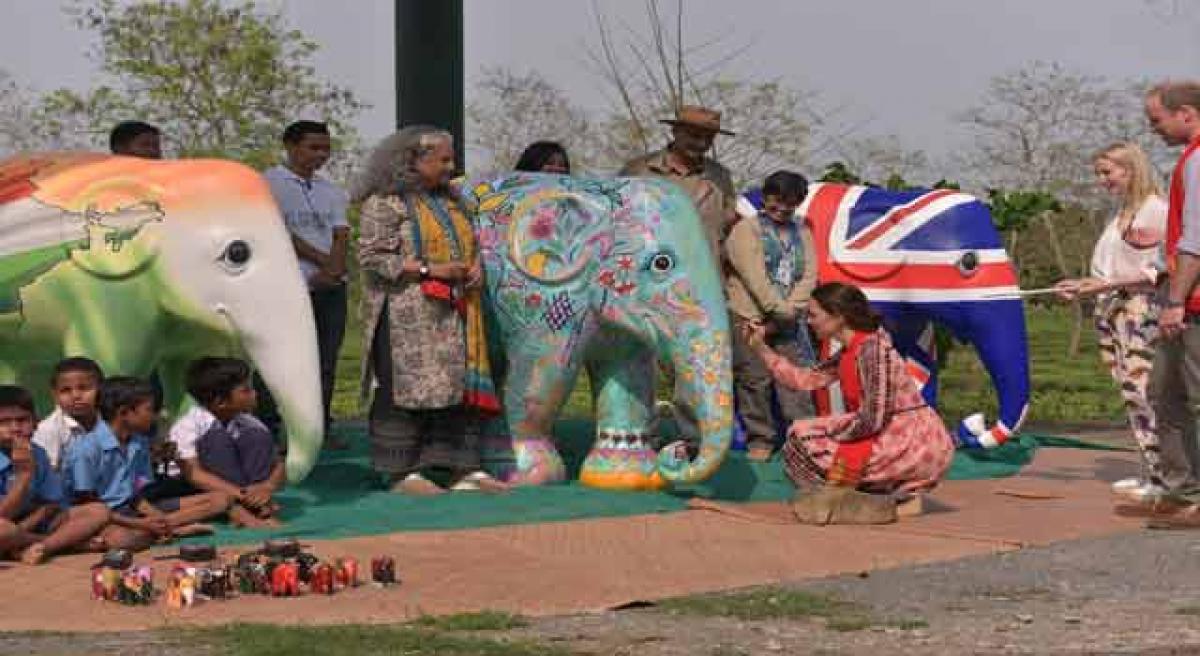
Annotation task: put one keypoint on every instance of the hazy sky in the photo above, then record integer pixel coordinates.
(903, 66)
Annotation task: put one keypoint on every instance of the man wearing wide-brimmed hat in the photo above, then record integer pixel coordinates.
(685, 162)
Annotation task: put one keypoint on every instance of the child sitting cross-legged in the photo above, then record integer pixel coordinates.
(112, 464)
(35, 522)
(74, 384)
(222, 447)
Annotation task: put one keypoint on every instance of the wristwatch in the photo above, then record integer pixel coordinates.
(1172, 304)
(424, 271)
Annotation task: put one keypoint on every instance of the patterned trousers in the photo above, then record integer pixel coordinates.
(1127, 324)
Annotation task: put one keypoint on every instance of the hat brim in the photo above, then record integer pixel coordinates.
(673, 122)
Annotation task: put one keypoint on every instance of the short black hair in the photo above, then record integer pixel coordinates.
(15, 396)
(786, 185)
(540, 152)
(295, 132)
(122, 392)
(126, 131)
(212, 379)
(77, 364)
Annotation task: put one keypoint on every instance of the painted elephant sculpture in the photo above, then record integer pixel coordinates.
(144, 266)
(923, 258)
(611, 275)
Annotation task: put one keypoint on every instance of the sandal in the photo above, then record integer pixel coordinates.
(480, 481)
(418, 486)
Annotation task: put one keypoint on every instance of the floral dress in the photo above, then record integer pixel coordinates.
(888, 440)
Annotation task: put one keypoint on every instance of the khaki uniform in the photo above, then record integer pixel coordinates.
(709, 186)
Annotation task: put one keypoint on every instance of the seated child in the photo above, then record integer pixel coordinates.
(35, 522)
(222, 447)
(74, 385)
(112, 464)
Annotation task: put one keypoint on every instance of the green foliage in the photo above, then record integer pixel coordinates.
(1013, 210)
(270, 640)
(487, 620)
(221, 79)
(839, 173)
(762, 604)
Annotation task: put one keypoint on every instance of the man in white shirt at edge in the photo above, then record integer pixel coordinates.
(1173, 111)
(314, 209)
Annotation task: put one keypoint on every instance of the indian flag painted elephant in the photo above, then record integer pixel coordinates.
(145, 265)
(611, 275)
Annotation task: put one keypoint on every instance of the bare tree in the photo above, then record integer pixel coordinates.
(511, 110)
(16, 120)
(880, 158)
(648, 73)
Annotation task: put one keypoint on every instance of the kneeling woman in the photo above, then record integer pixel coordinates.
(887, 442)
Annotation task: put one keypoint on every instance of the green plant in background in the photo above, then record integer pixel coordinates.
(220, 79)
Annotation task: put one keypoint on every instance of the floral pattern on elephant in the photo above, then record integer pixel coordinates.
(612, 276)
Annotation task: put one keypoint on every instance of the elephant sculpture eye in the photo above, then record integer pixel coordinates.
(968, 264)
(662, 263)
(236, 254)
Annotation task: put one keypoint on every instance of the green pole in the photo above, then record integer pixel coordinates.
(429, 66)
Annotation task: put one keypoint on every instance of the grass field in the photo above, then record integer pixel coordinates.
(1065, 388)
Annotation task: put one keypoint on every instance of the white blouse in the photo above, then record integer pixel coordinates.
(1130, 256)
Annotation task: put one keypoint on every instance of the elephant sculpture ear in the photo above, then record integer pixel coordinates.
(116, 244)
(555, 233)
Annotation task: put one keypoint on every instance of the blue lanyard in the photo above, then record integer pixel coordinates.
(769, 226)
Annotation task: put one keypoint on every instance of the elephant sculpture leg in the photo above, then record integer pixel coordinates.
(623, 375)
(913, 338)
(541, 373)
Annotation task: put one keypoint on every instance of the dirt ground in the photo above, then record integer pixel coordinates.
(1132, 592)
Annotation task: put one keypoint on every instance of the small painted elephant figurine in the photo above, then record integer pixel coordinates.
(285, 580)
(611, 275)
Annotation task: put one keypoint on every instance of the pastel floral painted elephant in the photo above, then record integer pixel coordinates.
(611, 275)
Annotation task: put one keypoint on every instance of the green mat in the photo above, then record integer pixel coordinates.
(344, 498)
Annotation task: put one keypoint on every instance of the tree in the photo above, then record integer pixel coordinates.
(883, 158)
(221, 79)
(649, 75)
(511, 110)
(16, 132)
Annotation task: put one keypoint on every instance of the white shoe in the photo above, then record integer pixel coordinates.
(1145, 492)
(1127, 484)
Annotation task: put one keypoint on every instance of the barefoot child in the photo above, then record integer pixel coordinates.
(223, 448)
(112, 464)
(34, 520)
(74, 384)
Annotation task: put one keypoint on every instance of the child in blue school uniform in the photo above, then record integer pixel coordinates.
(221, 447)
(111, 463)
(35, 521)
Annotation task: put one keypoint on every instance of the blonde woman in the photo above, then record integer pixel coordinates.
(1122, 279)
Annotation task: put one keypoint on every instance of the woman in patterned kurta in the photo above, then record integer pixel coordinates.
(888, 441)
(1122, 278)
(423, 343)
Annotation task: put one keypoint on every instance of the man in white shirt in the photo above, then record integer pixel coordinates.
(314, 209)
(1173, 110)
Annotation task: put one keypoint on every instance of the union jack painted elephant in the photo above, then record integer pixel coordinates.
(924, 258)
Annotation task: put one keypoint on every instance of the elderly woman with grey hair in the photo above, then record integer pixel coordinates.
(424, 348)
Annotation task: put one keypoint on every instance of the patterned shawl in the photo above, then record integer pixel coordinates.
(443, 233)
